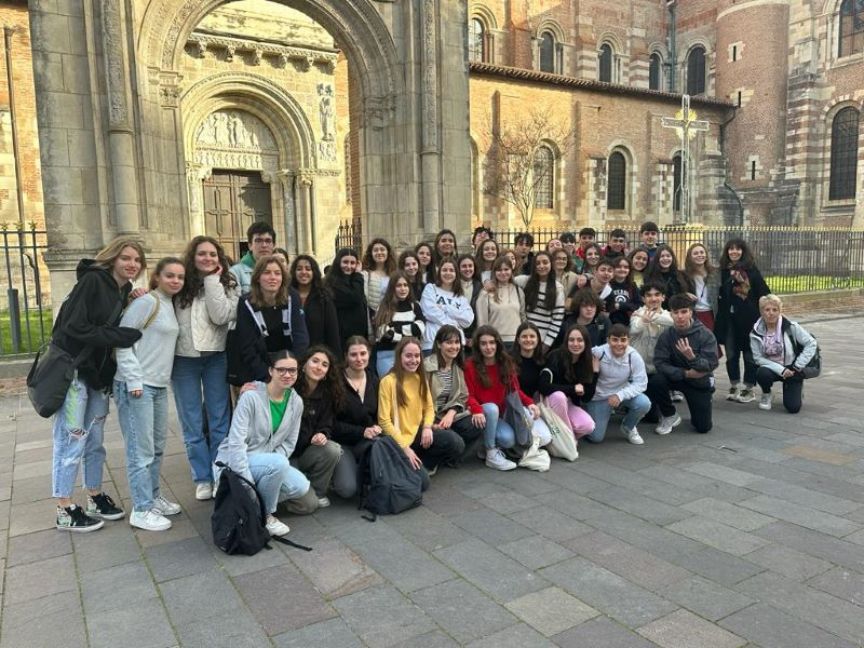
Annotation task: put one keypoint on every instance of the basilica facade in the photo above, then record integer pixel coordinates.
(171, 118)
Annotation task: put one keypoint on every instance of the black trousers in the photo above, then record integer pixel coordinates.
(447, 447)
(793, 388)
(698, 400)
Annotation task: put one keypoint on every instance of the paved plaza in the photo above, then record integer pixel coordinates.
(752, 535)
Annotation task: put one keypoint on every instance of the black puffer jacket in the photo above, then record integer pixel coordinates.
(736, 315)
(83, 322)
(350, 302)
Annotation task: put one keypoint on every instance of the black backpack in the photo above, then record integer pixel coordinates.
(388, 483)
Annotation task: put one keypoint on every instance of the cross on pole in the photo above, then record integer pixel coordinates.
(687, 125)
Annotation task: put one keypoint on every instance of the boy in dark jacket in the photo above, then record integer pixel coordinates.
(685, 358)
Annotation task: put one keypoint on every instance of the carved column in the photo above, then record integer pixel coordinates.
(430, 155)
(195, 173)
(286, 181)
(121, 135)
(304, 212)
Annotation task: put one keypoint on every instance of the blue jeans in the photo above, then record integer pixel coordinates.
(78, 429)
(273, 474)
(144, 424)
(497, 432)
(187, 379)
(384, 362)
(601, 410)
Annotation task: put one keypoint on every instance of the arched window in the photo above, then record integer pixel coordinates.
(544, 178)
(654, 64)
(605, 63)
(477, 41)
(616, 182)
(844, 154)
(696, 71)
(547, 52)
(677, 182)
(851, 37)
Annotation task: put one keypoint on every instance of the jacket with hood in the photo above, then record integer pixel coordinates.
(350, 302)
(252, 430)
(644, 335)
(242, 272)
(458, 399)
(253, 338)
(793, 335)
(671, 363)
(83, 322)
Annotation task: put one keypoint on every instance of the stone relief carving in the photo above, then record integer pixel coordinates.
(235, 129)
(325, 111)
(327, 150)
(430, 75)
(112, 34)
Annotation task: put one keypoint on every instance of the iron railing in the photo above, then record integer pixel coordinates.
(25, 312)
(349, 235)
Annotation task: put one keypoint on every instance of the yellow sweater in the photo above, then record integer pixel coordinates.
(415, 413)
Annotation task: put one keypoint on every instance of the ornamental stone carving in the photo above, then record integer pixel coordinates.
(325, 111)
(233, 129)
(112, 37)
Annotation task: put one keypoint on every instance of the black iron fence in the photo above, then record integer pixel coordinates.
(792, 259)
(25, 312)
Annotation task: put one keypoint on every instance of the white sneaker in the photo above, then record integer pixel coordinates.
(165, 507)
(667, 423)
(323, 502)
(204, 491)
(632, 435)
(676, 396)
(765, 401)
(733, 393)
(746, 395)
(496, 459)
(276, 527)
(150, 520)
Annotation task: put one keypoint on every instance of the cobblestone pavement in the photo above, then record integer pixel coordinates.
(752, 535)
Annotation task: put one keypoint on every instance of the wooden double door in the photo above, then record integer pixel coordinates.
(233, 200)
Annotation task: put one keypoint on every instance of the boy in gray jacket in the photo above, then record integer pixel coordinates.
(685, 359)
(620, 382)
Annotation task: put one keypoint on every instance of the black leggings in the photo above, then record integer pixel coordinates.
(793, 388)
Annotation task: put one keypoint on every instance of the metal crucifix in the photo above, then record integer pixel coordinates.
(687, 125)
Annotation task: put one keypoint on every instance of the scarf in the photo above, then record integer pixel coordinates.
(772, 344)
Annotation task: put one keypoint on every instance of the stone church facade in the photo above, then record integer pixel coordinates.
(171, 118)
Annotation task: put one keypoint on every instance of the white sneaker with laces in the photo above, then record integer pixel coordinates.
(676, 396)
(165, 507)
(733, 393)
(632, 435)
(323, 502)
(150, 520)
(203, 491)
(746, 395)
(765, 401)
(276, 527)
(667, 423)
(496, 459)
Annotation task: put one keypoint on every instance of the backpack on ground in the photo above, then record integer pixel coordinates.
(813, 368)
(388, 484)
(238, 515)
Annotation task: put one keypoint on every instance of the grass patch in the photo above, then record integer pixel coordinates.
(31, 343)
(781, 284)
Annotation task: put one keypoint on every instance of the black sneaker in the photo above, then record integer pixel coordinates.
(102, 506)
(73, 518)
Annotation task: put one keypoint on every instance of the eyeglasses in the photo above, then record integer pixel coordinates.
(263, 241)
(286, 371)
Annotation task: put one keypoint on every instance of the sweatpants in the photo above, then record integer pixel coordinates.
(698, 400)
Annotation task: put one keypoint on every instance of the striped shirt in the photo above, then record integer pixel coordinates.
(548, 321)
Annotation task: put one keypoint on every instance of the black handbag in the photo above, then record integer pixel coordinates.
(50, 376)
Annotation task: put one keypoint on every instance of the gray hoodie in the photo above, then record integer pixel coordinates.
(252, 430)
(671, 363)
(791, 331)
(623, 377)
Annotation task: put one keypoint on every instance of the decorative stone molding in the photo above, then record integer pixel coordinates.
(113, 46)
(430, 76)
(202, 42)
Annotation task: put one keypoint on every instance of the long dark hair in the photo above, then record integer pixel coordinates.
(436, 255)
(504, 361)
(317, 278)
(194, 284)
(581, 371)
(457, 282)
(532, 286)
(335, 273)
(429, 271)
(163, 263)
(332, 382)
(745, 263)
(537, 356)
(389, 301)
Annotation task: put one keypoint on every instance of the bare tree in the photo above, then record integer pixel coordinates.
(516, 170)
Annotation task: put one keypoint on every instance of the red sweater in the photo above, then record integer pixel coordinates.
(495, 393)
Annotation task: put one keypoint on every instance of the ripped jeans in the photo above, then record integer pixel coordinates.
(78, 429)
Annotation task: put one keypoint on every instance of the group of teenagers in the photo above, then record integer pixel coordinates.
(286, 374)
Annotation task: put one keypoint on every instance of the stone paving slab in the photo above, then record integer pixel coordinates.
(752, 535)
